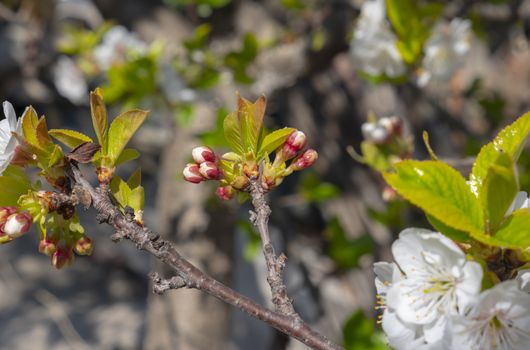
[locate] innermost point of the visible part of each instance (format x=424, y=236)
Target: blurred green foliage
x=359, y=334
x=346, y=252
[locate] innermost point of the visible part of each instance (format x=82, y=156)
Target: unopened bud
x=210, y=171
x=203, y=154
x=5, y=212
x=393, y=125
x=305, y=160
x=63, y=256
x=295, y=142
x=240, y=182
x=17, y=224
x=375, y=132
x=47, y=246
x=225, y=192
x=83, y=246
x=192, y=174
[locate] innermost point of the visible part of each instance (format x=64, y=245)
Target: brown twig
x=260, y=218
x=187, y=274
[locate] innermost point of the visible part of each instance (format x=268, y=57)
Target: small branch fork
x=284, y=318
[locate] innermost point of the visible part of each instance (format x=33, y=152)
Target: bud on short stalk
x=192, y=174
x=203, y=154
x=5, y=212
x=294, y=143
x=210, y=171
x=17, y=224
x=225, y=192
x=47, y=246
x=240, y=182
x=63, y=256
x=393, y=125
x=305, y=160
x=83, y=246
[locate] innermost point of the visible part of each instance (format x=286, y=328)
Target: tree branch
x=260, y=218
x=187, y=274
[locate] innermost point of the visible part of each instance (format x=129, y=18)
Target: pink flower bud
x=305, y=160
x=295, y=142
x=203, y=154
x=225, y=192
x=5, y=212
x=297, y=139
x=63, y=256
x=17, y=224
x=47, y=246
x=83, y=246
x=191, y=173
x=210, y=171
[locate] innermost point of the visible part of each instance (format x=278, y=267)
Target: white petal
x=523, y=279
x=468, y=290
x=11, y=117
x=521, y=198
x=400, y=334
x=434, y=332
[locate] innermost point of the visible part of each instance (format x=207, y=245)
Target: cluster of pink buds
x=13, y=224
x=383, y=130
x=274, y=174
x=62, y=253
x=205, y=166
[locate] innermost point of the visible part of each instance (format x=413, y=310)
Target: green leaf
x=135, y=179
x=136, y=198
x=250, y=116
x=14, y=183
x=374, y=157
x=498, y=191
x=274, y=140
x=439, y=190
x=55, y=156
x=127, y=155
x=29, y=126
x=454, y=234
x=122, y=129
x=120, y=190
x=233, y=133
x=515, y=231
x=43, y=138
x=510, y=140
x=99, y=118
x=359, y=334
x=69, y=138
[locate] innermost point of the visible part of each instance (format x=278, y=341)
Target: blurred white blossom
x=117, y=43
x=499, y=319
x=69, y=80
x=373, y=46
x=8, y=142
x=173, y=85
x=445, y=50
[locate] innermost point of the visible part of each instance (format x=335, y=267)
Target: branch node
x=160, y=285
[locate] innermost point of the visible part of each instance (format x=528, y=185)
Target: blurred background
x=459, y=70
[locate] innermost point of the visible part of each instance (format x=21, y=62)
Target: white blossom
x=445, y=50
x=439, y=281
x=117, y=43
x=69, y=80
x=523, y=280
x=498, y=320
x=8, y=142
x=400, y=335
x=373, y=46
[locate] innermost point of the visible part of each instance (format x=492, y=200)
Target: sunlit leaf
x=69, y=138
x=121, y=131
x=99, y=118
x=440, y=191
x=274, y=140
